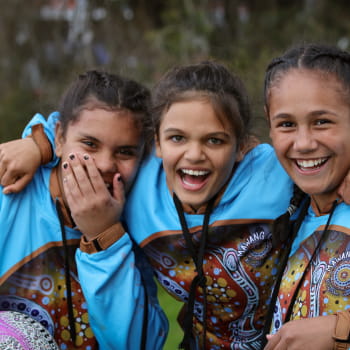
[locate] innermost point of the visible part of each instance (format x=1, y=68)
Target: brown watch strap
x=43, y=143
x=103, y=240
x=342, y=331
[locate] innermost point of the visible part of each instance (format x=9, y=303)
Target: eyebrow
x=136, y=147
x=212, y=134
x=313, y=114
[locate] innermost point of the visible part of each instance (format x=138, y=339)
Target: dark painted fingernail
x=86, y=157
x=119, y=178
x=71, y=156
x=65, y=165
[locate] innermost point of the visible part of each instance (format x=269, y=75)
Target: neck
x=322, y=203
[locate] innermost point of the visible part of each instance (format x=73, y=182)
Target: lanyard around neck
x=197, y=255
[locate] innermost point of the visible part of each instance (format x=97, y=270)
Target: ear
x=245, y=146
x=267, y=115
x=240, y=154
x=157, y=145
x=59, y=139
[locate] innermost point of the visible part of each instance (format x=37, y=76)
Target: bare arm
x=310, y=333
x=19, y=160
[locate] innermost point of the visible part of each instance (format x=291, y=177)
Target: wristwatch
x=342, y=331
x=103, y=240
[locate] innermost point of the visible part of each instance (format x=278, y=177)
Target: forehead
x=306, y=85
x=199, y=111
x=200, y=108
x=103, y=124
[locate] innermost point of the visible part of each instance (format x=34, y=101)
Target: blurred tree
x=45, y=44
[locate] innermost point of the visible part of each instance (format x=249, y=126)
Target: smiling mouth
x=194, y=178
x=311, y=164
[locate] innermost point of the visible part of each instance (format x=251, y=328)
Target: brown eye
x=89, y=144
x=215, y=141
x=176, y=138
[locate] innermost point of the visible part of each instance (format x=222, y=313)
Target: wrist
x=103, y=240
x=39, y=137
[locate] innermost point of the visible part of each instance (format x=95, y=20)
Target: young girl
x=307, y=94
x=106, y=116
x=202, y=212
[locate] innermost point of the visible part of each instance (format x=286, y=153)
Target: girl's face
x=111, y=138
x=198, y=151
x=310, y=131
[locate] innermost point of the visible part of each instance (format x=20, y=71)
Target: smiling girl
x=307, y=96
x=44, y=274
x=202, y=211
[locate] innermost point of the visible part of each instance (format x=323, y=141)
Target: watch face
x=21, y=332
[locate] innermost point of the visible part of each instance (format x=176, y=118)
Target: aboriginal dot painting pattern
x=21, y=332
x=38, y=289
x=325, y=288
x=240, y=267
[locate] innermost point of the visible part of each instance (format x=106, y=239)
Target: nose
x=194, y=152
x=106, y=162
x=304, y=140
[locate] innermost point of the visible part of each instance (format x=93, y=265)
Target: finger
x=70, y=186
x=18, y=185
x=273, y=340
x=96, y=180
x=78, y=168
x=2, y=170
x=9, y=177
x=118, y=188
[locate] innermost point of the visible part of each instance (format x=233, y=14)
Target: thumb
x=18, y=186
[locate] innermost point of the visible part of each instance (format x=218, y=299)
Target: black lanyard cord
x=284, y=262
x=199, y=280
x=282, y=265
x=67, y=274
x=317, y=249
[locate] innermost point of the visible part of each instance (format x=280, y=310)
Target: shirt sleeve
x=117, y=295
x=49, y=126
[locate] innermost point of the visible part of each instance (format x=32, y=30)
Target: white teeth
x=311, y=163
x=195, y=172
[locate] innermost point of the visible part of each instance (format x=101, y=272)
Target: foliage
x=44, y=45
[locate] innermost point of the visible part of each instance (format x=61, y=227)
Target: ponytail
x=282, y=226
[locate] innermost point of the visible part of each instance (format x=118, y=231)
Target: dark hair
x=209, y=80
x=98, y=89
x=328, y=59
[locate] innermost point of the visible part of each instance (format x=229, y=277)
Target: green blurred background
x=45, y=43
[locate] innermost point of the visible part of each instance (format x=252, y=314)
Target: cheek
x=128, y=169
x=225, y=164
x=279, y=141
x=169, y=159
